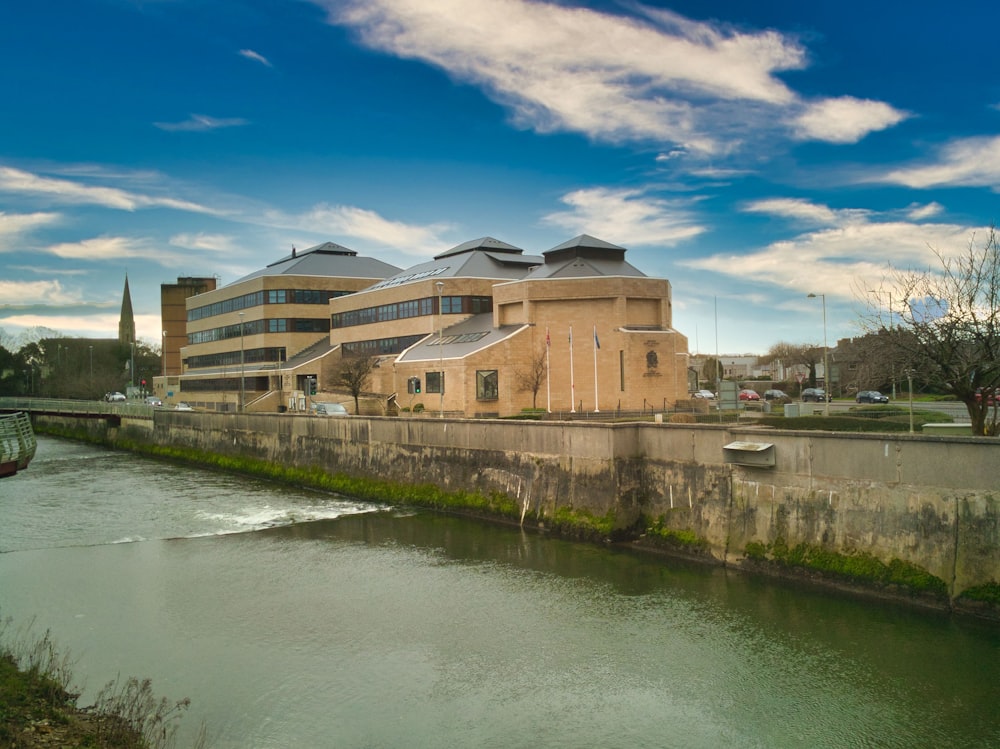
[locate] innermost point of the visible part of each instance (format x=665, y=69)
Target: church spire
x=126, y=322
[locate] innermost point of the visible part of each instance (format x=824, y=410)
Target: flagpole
x=548, y=373
x=572, y=382
x=597, y=345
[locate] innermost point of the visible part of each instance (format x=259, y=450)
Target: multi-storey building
x=263, y=336
x=482, y=329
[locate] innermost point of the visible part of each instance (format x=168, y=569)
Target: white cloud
x=204, y=241
x=794, y=208
x=845, y=119
x=835, y=260
x=20, y=223
x=201, y=123
x=966, y=162
x=626, y=217
x=17, y=181
x=19, y=293
x=256, y=56
x=654, y=76
x=916, y=212
x=116, y=248
x=365, y=225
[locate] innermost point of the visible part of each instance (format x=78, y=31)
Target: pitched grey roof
x=327, y=259
x=479, y=258
x=459, y=340
x=585, y=256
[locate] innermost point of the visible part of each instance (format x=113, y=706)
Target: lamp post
x=826, y=368
x=242, y=369
x=440, y=289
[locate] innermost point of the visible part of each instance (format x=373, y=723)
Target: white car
x=152, y=400
x=183, y=407
x=706, y=394
x=114, y=397
x=329, y=409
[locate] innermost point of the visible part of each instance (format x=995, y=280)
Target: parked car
x=115, y=397
x=814, y=395
x=329, y=409
x=183, y=407
x=749, y=395
x=706, y=394
x=776, y=395
x=871, y=396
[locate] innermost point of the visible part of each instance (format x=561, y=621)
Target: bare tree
x=711, y=371
x=531, y=379
x=945, y=323
x=352, y=374
x=807, y=355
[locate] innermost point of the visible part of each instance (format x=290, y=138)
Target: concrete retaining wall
x=932, y=502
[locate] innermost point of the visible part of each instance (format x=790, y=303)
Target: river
x=294, y=618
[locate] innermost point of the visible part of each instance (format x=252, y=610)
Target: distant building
x=173, y=318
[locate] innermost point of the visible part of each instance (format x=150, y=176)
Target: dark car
x=814, y=395
x=776, y=395
x=871, y=396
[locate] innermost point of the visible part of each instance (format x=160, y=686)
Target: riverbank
x=38, y=707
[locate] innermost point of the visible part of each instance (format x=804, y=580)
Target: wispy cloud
x=116, y=248
x=366, y=225
x=59, y=190
x=965, y=162
x=203, y=241
x=201, y=123
x=656, y=76
x=49, y=291
x=852, y=246
x=256, y=56
x=14, y=225
x=631, y=217
x=845, y=119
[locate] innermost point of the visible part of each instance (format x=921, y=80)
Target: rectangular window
x=451, y=305
x=435, y=381
x=487, y=385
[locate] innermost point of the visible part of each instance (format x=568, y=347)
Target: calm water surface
x=300, y=619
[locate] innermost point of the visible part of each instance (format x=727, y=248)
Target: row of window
x=235, y=358
x=273, y=325
x=380, y=346
x=226, y=384
x=450, y=305
x=258, y=298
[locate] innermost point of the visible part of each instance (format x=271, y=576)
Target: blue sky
x=751, y=153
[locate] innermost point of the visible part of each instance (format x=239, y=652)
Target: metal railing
x=77, y=407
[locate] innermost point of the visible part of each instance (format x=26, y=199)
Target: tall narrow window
x=487, y=385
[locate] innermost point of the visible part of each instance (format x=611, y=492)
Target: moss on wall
x=850, y=565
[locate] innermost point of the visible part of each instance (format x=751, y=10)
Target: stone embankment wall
x=929, y=504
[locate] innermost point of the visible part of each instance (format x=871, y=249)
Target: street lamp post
x=440, y=289
x=826, y=368
x=243, y=393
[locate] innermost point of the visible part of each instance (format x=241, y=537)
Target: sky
x=751, y=153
